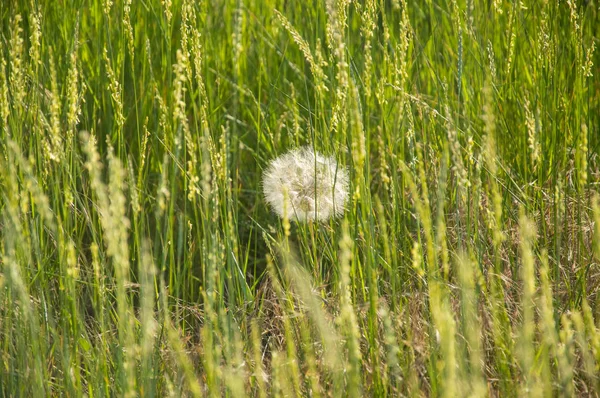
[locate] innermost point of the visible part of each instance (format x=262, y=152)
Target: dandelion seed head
x=305, y=185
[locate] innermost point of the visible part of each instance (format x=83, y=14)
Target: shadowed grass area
x=138, y=255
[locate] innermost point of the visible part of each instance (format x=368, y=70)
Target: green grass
x=138, y=256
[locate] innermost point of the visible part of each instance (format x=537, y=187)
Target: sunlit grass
x=139, y=255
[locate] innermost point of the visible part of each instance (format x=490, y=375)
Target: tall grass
x=138, y=256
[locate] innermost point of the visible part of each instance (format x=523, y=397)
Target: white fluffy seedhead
x=306, y=185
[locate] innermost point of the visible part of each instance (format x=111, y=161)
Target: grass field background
x=139, y=257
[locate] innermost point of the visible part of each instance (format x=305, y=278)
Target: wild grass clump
x=437, y=217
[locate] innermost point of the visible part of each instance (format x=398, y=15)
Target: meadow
x=139, y=257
